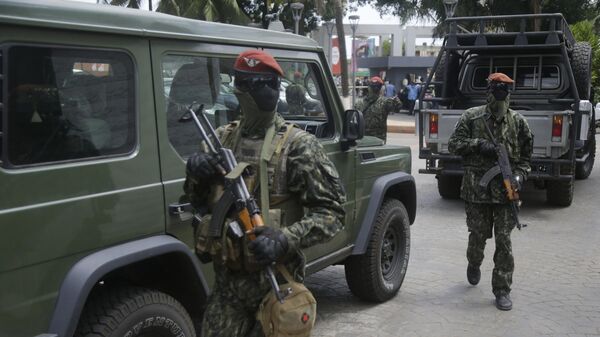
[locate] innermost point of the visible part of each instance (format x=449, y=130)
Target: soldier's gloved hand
x=203, y=165
x=269, y=246
x=487, y=148
x=518, y=181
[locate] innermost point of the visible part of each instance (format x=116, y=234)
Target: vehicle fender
x=88, y=271
x=399, y=185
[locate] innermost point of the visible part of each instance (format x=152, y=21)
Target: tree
x=585, y=31
x=226, y=11
x=125, y=3
x=573, y=10
x=386, y=48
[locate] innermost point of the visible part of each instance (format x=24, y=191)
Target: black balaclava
x=258, y=103
x=498, y=99
x=374, y=91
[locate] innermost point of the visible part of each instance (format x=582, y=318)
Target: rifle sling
x=237, y=171
x=489, y=175
x=265, y=156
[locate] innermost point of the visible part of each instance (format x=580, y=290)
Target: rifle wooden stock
x=510, y=191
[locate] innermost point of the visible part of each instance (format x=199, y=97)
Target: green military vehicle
x=96, y=231
x=552, y=90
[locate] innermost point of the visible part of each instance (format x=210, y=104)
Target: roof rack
x=498, y=32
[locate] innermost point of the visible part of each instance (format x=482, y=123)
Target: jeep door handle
x=177, y=208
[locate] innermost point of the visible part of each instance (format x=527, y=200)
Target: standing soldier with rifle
x=300, y=193
x=496, y=145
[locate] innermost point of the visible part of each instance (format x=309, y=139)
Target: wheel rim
x=390, y=249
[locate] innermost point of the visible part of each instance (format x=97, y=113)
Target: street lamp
x=329, y=25
x=353, y=25
x=450, y=7
x=297, y=14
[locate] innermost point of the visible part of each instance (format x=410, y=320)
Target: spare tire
x=581, y=63
x=451, y=61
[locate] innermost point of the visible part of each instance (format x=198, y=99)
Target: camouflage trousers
x=232, y=306
x=482, y=221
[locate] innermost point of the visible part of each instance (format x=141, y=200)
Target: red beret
x=500, y=77
x=257, y=61
x=376, y=79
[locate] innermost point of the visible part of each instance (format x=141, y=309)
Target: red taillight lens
x=433, y=125
x=557, y=126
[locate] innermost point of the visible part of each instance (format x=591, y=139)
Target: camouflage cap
x=500, y=77
x=376, y=79
x=257, y=61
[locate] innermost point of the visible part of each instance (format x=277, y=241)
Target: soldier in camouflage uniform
x=375, y=109
x=295, y=95
x=487, y=208
x=303, y=185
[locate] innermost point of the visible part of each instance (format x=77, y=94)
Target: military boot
x=473, y=274
x=503, y=302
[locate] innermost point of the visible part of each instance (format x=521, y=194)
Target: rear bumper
x=541, y=168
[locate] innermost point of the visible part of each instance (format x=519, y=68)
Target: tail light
x=433, y=125
x=557, y=127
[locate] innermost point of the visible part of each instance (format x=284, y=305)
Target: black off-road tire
x=581, y=63
x=135, y=312
x=584, y=169
x=377, y=275
x=560, y=192
x=449, y=186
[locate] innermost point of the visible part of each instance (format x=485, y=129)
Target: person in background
x=390, y=90
x=375, y=109
x=413, y=89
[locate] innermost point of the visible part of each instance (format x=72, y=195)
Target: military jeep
x=552, y=90
x=96, y=230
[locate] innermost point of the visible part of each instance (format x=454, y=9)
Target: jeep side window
x=550, y=77
x=68, y=104
x=194, y=80
x=528, y=74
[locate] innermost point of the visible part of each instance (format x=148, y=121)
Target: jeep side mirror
x=354, y=127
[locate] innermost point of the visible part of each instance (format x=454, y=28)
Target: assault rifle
x=504, y=168
x=236, y=193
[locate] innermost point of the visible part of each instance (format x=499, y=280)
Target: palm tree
x=227, y=11
x=124, y=3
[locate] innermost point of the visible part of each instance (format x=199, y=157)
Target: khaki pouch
x=295, y=317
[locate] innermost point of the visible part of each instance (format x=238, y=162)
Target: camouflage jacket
x=313, y=183
x=512, y=131
x=375, y=110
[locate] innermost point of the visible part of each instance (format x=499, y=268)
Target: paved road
x=556, y=284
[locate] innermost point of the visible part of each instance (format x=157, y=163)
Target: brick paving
x=556, y=284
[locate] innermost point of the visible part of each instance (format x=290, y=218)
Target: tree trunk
x=536, y=9
x=339, y=23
